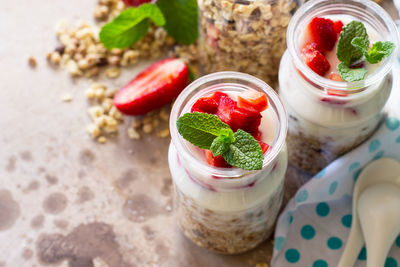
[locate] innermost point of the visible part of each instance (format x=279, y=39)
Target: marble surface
x=64, y=199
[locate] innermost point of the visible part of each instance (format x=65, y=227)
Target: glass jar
x=227, y=210
x=328, y=118
x=244, y=35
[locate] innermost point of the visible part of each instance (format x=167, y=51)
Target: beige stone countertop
x=64, y=199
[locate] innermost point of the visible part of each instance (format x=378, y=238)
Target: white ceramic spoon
x=379, y=171
x=379, y=215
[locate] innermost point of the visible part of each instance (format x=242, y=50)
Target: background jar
x=226, y=210
x=244, y=35
x=328, y=118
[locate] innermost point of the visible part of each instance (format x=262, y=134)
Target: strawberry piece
x=335, y=77
x=135, y=2
x=257, y=135
x=315, y=60
x=217, y=96
x=255, y=100
x=264, y=146
x=245, y=119
x=225, y=109
x=205, y=105
x=155, y=87
x=217, y=161
x=322, y=33
x=337, y=26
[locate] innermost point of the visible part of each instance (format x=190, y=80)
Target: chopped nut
x=93, y=130
x=67, y=97
x=73, y=68
x=133, y=134
x=32, y=62
x=113, y=72
x=102, y=140
x=55, y=58
x=147, y=128
x=163, y=133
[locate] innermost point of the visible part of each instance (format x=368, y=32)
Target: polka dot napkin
x=313, y=229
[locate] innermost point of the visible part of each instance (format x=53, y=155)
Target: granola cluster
x=224, y=232
x=245, y=36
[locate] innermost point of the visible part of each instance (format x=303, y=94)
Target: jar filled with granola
x=244, y=35
x=222, y=208
x=334, y=102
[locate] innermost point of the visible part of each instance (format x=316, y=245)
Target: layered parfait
x=335, y=78
x=228, y=159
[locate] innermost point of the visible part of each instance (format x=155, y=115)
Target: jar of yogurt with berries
x=219, y=206
x=335, y=78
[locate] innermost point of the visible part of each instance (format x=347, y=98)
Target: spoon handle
x=353, y=246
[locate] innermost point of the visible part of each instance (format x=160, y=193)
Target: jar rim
x=228, y=173
x=360, y=7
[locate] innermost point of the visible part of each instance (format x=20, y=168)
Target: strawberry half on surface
x=135, y=2
x=155, y=87
x=315, y=59
x=322, y=32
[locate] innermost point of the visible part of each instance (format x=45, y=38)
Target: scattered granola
x=245, y=36
x=67, y=97
x=32, y=62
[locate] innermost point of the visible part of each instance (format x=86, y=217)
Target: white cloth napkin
x=313, y=229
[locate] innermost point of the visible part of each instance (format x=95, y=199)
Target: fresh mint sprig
x=207, y=131
x=178, y=17
x=353, y=45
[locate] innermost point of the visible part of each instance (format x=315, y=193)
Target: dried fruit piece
x=315, y=60
x=155, y=87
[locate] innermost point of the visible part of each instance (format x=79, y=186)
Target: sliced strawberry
x=264, y=146
x=245, y=119
x=217, y=96
x=322, y=32
x=225, y=109
x=205, y=105
x=315, y=60
x=257, y=135
x=252, y=99
x=217, y=161
x=135, y=2
x=335, y=77
x=153, y=88
x=337, y=26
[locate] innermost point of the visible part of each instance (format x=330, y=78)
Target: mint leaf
x=200, y=129
x=361, y=45
x=351, y=75
x=130, y=26
x=346, y=52
x=221, y=144
x=379, y=51
x=245, y=152
x=181, y=19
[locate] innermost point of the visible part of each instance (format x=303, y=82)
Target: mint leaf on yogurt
x=351, y=75
x=207, y=131
x=346, y=52
x=377, y=52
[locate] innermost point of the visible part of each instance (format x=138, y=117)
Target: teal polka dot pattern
x=334, y=243
x=307, y=232
x=362, y=256
x=333, y=187
x=322, y=209
x=398, y=140
x=392, y=123
x=346, y=220
x=320, y=174
x=354, y=166
x=290, y=219
x=292, y=255
x=302, y=196
x=374, y=145
x=356, y=174
x=398, y=241
x=379, y=155
x=320, y=263
x=390, y=262
x=279, y=242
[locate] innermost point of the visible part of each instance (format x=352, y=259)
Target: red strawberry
x=315, y=60
x=155, y=87
x=337, y=26
x=335, y=77
x=225, y=109
x=217, y=161
x=264, y=146
x=322, y=33
x=257, y=135
x=135, y=2
x=255, y=100
x=245, y=119
x=205, y=105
